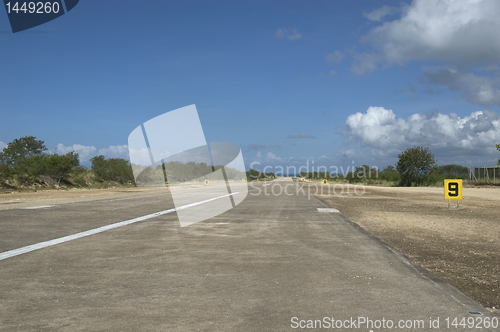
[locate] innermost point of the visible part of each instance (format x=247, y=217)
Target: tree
x=21, y=158
x=21, y=149
x=414, y=164
x=390, y=174
x=498, y=148
x=366, y=172
x=114, y=169
x=99, y=167
x=4, y=173
x=57, y=166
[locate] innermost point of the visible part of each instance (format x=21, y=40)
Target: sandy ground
x=461, y=246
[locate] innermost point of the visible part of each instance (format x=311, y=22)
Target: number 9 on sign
x=453, y=189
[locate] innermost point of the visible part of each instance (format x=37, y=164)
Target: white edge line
x=45, y=244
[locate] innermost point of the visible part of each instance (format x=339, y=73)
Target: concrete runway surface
x=272, y=263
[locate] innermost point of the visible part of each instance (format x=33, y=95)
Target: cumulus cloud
x=2, y=145
x=380, y=13
x=444, y=134
x=140, y=156
x=115, y=151
x=301, y=135
x=290, y=34
x=458, y=32
x=86, y=152
x=461, y=34
x=347, y=153
x=480, y=90
x=272, y=156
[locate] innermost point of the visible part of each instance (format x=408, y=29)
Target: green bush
x=414, y=165
x=438, y=174
x=59, y=167
x=113, y=169
x=498, y=148
x=390, y=174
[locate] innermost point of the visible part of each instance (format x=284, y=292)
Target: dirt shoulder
x=460, y=246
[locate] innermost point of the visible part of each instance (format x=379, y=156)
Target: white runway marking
x=37, y=207
x=327, y=210
x=36, y=246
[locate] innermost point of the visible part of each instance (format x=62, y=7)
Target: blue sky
x=289, y=81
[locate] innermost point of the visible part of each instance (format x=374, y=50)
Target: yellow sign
x=453, y=189
x=206, y=181
x=325, y=181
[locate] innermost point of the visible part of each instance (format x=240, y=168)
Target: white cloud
x=377, y=128
x=291, y=34
x=347, y=153
x=335, y=56
x=140, y=156
x=115, y=151
x=445, y=134
x=84, y=152
x=2, y=145
x=272, y=156
x=458, y=32
x=463, y=35
x=379, y=14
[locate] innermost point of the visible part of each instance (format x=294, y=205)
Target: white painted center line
x=37, y=207
x=36, y=246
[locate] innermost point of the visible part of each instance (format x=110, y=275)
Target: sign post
x=453, y=190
